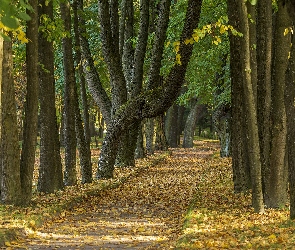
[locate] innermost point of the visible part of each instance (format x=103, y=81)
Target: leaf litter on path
x=145, y=212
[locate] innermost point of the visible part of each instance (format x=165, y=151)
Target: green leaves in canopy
x=11, y=12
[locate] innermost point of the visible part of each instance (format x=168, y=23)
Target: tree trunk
x=221, y=120
x=150, y=103
x=149, y=132
x=190, y=125
x=276, y=181
x=249, y=99
x=161, y=141
x=94, y=84
x=70, y=175
x=10, y=186
x=264, y=62
x=172, y=126
x=83, y=132
x=290, y=111
x=140, y=151
x=31, y=108
x=50, y=170
x=241, y=170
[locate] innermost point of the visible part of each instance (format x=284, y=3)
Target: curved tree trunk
x=150, y=103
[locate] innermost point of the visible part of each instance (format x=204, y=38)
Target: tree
x=152, y=102
x=290, y=111
x=31, y=109
x=276, y=178
x=50, y=170
x=69, y=99
x=10, y=186
x=248, y=97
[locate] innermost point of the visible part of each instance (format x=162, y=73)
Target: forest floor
x=180, y=200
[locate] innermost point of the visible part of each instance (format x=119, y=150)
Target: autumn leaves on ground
x=178, y=200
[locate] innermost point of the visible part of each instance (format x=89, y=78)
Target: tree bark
x=83, y=132
x=276, y=181
x=10, y=186
x=50, y=170
x=241, y=171
x=249, y=99
x=95, y=87
x=264, y=72
x=70, y=175
x=31, y=107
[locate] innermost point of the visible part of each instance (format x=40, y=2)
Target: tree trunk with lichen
x=149, y=103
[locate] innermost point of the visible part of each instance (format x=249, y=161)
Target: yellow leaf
x=178, y=59
x=7, y=243
x=141, y=229
x=286, y=32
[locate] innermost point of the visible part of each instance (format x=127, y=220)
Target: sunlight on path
x=146, y=212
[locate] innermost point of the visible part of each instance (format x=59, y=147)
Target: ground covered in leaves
x=180, y=200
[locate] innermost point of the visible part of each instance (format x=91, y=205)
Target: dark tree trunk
x=290, y=111
x=150, y=103
x=140, y=151
x=94, y=84
x=10, y=186
x=276, y=182
x=83, y=132
x=264, y=62
x=221, y=120
x=241, y=171
x=172, y=126
x=70, y=175
x=161, y=141
x=149, y=132
x=251, y=114
x=189, y=131
x=50, y=170
x=31, y=107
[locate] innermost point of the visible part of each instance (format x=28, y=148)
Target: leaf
x=24, y=16
x=10, y=22
x=253, y=2
x=7, y=244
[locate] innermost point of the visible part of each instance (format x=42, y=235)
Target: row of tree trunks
x=260, y=102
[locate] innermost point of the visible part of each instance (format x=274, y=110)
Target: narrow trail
x=146, y=212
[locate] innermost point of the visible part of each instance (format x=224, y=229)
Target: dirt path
x=146, y=212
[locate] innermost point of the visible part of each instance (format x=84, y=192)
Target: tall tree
x=276, y=182
x=248, y=98
x=31, y=108
x=10, y=186
x=290, y=111
x=70, y=175
x=264, y=73
x=50, y=170
x=241, y=171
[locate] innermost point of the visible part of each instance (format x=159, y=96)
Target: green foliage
x=207, y=73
